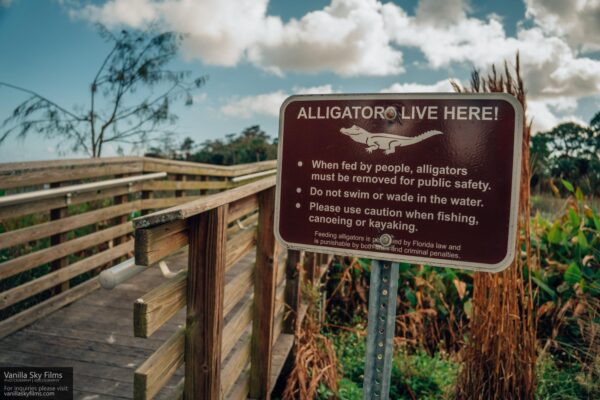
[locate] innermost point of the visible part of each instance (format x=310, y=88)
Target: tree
x=251, y=145
x=569, y=151
x=115, y=113
x=166, y=147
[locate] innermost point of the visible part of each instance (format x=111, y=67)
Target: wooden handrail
x=76, y=162
x=64, y=199
x=199, y=206
x=82, y=188
x=232, y=170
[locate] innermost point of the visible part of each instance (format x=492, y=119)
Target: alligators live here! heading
x=466, y=113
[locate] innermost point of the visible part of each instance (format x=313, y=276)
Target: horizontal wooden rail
x=46, y=307
x=32, y=260
x=196, y=207
x=38, y=231
x=156, y=371
x=159, y=305
x=240, y=321
x=183, y=167
x=75, y=189
x=155, y=243
x=44, y=172
x=14, y=295
x=239, y=358
x=187, y=185
x=41, y=206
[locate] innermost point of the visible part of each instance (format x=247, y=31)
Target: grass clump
x=414, y=375
x=566, y=381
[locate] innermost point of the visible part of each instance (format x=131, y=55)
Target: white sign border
x=440, y=262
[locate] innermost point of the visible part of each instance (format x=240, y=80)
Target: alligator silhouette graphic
x=384, y=141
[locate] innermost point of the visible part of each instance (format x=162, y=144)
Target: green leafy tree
x=569, y=151
x=251, y=145
x=165, y=146
x=117, y=111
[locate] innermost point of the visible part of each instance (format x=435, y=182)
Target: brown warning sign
x=420, y=178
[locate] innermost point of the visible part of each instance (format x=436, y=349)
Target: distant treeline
x=251, y=145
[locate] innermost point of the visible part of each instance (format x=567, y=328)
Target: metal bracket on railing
x=130, y=187
x=68, y=198
x=253, y=176
x=240, y=225
x=167, y=273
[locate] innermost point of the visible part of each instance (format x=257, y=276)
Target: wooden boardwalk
x=94, y=335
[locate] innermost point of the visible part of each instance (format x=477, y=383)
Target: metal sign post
x=380, y=330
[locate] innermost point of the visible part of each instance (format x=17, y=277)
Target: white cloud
x=577, y=21
x=550, y=66
x=199, y=98
x=347, y=37
x=544, y=113
x=267, y=103
x=366, y=37
x=437, y=12
x=323, y=89
x=262, y=104
x=133, y=13
x=440, y=86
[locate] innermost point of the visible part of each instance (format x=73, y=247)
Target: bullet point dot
x=298, y=190
x=299, y=163
x=297, y=205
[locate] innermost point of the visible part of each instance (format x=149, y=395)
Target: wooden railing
x=62, y=222
x=241, y=292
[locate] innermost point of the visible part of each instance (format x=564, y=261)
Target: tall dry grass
x=315, y=361
x=500, y=356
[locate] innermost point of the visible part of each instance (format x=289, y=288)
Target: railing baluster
x=264, y=298
x=206, y=270
x=56, y=214
x=292, y=290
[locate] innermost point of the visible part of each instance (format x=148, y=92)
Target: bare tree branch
x=136, y=59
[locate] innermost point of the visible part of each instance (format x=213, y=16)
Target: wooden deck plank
x=94, y=335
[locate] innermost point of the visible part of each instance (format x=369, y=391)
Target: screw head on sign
x=390, y=113
x=385, y=240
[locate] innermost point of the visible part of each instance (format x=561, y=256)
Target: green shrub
x=421, y=375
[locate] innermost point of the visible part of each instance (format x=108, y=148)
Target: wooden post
x=265, y=282
x=124, y=198
x=146, y=194
x=292, y=291
x=203, y=178
x=204, y=322
x=180, y=178
x=55, y=214
x=311, y=266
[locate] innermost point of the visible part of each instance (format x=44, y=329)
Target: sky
x=258, y=52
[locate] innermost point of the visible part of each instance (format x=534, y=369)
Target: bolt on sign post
x=417, y=178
